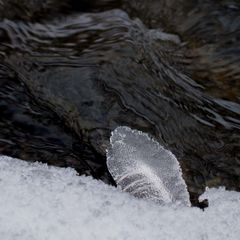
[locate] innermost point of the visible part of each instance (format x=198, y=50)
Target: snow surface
x=42, y=202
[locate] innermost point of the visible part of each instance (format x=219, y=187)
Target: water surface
x=67, y=82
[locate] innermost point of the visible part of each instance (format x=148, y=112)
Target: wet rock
x=32, y=10
x=32, y=132
x=210, y=31
x=41, y=10
x=98, y=71
x=94, y=72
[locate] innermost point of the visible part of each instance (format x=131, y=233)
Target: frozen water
x=142, y=167
x=38, y=202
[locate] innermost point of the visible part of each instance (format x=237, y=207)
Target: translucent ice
x=142, y=167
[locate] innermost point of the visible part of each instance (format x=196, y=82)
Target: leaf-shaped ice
x=142, y=167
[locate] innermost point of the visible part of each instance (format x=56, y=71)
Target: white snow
x=42, y=202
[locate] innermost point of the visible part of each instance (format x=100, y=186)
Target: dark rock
x=42, y=10
x=210, y=31
x=32, y=10
x=94, y=72
x=99, y=71
x=34, y=133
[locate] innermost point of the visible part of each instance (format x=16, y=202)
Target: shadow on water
x=67, y=82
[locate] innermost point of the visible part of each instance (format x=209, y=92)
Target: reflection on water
x=67, y=82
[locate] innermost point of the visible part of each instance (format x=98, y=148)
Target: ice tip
x=131, y=154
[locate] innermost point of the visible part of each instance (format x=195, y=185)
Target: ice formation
x=142, y=167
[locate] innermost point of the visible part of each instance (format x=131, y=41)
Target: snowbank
x=41, y=202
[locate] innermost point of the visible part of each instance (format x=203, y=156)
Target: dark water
x=69, y=79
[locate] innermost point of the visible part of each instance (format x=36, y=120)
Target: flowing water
x=68, y=81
